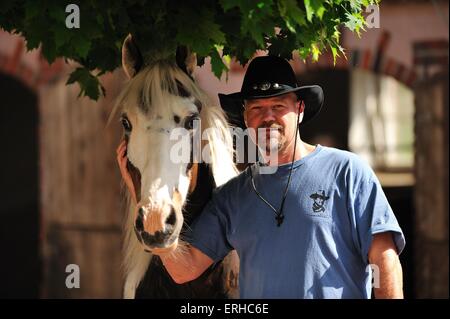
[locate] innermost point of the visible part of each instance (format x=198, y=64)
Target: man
x=310, y=229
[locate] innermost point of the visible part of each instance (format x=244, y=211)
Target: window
x=381, y=121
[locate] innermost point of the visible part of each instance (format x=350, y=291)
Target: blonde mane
x=150, y=91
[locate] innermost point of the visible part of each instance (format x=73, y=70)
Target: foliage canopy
x=220, y=29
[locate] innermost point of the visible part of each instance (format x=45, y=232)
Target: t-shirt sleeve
x=209, y=231
x=372, y=215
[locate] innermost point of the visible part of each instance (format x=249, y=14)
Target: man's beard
x=271, y=141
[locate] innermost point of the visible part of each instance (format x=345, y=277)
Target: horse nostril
x=172, y=217
x=139, y=224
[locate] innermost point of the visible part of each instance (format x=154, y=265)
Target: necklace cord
x=279, y=213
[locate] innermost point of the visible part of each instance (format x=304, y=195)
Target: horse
x=161, y=96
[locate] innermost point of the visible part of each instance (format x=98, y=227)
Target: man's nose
x=267, y=114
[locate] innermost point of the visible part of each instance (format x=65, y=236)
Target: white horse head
x=159, y=98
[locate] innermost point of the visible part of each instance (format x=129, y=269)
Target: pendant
x=279, y=219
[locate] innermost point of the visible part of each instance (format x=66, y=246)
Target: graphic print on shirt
x=319, y=198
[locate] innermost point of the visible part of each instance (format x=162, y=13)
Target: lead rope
x=279, y=216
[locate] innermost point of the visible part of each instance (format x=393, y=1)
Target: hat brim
x=315, y=196
x=312, y=95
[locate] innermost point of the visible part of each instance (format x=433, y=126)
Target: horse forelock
x=149, y=90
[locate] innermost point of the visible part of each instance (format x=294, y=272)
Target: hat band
x=268, y=85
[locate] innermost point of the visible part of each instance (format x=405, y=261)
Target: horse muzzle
x=157, y=228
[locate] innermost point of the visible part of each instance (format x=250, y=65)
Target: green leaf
x=89, y=84
x=198, y=36
x=49, y=51
x=32, y=10
x=81, y=45
x=76, y=75
x=291, y=14
x=315, y=52
x=335, y=54
x=217, y=64
x=229, y=4
x=227, y=60
x=57, y=13
x=61, y=37
x=314, y=8
x=354, y=22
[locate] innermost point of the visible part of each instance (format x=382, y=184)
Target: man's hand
x=122, y=161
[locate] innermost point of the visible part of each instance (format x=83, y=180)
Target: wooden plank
x=82, y=211
x=97, y=254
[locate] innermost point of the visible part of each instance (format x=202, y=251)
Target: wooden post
x=431, y=190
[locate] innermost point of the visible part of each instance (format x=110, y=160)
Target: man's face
x=276, y=118
x=319, y=201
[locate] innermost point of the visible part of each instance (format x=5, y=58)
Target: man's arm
x=187, y=266
x=383, y=253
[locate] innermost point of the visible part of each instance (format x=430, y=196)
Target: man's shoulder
x=341, y=156
x=349, y=161
x=232, y=185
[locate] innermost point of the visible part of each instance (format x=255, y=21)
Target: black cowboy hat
x=269, y=76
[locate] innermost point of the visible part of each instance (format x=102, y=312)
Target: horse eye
x=189, y=121
x=126, y=124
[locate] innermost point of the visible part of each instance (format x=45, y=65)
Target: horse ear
x=132, y=60
x=186, y=60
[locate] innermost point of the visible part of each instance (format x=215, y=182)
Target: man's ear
x=244, y=113
x=301, y=106
x=301, y=109
x=132, y=60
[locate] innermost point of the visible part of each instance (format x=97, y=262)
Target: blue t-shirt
x=333, y=206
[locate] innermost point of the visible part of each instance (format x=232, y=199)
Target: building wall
x=406, y=22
